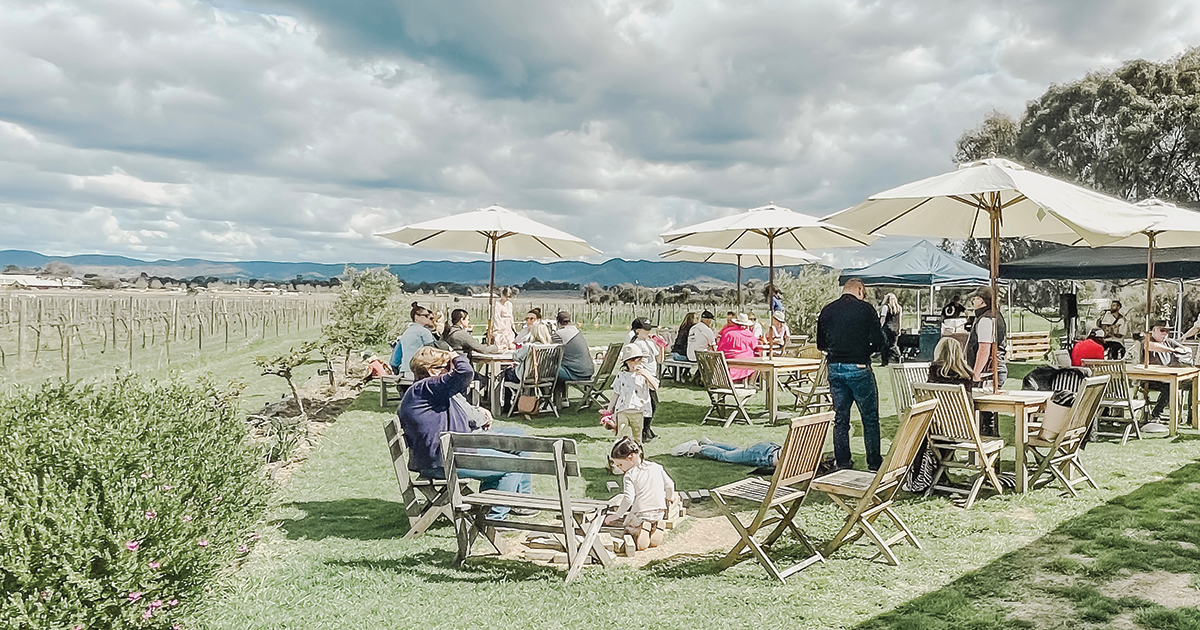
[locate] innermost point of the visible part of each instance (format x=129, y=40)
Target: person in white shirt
x=778, y=334
x=757, y=328
x=631, y=401
x=647, y=491
x=701, y=336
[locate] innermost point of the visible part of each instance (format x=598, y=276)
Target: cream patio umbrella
x=492, y=230
x=996, y=198
x=768, y=227
x=749, y=257
x=1174, y=227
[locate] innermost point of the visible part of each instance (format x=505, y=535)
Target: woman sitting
x=738, y=342
x=950, y=367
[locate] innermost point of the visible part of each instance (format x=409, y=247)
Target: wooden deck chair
x=812, y=395
x=1118, y=397
x=867, y=496
x=592, y=390
x=541, y=372
x=904, y=376
x=955, y=430
x=425, y=500
x=1060, y=456
x=579, y=520
x=726, y=400
x=778, y=499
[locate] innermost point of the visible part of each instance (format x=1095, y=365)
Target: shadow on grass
x=354, y=519
x=368, y=400
x=437, y=566
x=1065, y=578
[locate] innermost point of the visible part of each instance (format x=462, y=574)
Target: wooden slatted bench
x=675, y=369
x=1028, y=345
x=399, y=383
x=554, y=457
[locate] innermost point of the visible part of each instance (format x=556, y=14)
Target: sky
x=294, y=130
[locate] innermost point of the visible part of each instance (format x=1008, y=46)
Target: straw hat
x=742, y=320
x=630, y=351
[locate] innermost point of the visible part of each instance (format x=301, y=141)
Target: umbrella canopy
x=768, y=227
x=995, y=198
x=492, y=230
x=739, y=257
x=922, y=265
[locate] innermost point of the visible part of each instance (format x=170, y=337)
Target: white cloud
x=295, y=129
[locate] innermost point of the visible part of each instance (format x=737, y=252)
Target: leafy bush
x=805, y=294
x=119, y=502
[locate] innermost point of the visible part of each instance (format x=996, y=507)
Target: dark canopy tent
x=1109, y=263
x=923, y=265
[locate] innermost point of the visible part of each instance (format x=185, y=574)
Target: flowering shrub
x=118, y=502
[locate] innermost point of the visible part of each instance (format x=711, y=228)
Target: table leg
x=1020, y=418
x=772, y=407
x=1176, y=406
x=1195, y=405
x=494, y=393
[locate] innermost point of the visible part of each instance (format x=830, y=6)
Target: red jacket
x=1086, y=349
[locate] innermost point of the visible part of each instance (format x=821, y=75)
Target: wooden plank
x=511, y=443
x=533, y=466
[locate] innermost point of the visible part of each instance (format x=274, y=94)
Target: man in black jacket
x=848, y=333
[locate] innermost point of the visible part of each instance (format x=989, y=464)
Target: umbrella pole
x=739, y=282
x=492, y=291
x=1149, y=297
x=770, y=281
x=994, y=251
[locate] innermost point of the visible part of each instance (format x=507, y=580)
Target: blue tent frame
x=922, y=265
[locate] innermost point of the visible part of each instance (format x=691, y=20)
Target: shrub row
x=119, y=502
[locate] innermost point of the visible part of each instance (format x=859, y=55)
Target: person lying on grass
x=647, y=491
x=761, y=455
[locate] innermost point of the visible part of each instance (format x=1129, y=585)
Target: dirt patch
x=691, y=537
x=1042, y=612
x=1170, y=590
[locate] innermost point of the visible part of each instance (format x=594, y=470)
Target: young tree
x=282, y=366
x=364, y=314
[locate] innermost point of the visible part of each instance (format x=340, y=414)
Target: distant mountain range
x=650, y=273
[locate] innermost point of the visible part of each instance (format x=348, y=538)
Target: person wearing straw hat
x=630, y=403
x=778, y=334
x=738, y=342
x=848, y=332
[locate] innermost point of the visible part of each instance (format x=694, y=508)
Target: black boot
x=647, y=433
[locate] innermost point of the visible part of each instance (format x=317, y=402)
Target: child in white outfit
x=647, y=491
x=631, y=402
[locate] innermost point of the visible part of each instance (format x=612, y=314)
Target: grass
x=334, y=557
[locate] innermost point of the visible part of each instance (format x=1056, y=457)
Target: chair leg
x=591, y=529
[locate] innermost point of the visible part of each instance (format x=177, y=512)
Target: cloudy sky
x=294, y=129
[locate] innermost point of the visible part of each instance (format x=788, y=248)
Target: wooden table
x=770, y=368
x=1172, y=376
x=492, y=368
x=1020, y=404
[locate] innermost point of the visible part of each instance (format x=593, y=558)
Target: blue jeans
x=675, y=356
x=760, y=455
x=850, y=383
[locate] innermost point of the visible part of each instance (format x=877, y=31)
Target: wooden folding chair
x=433, y=502
x=867, y=496
x=579, y=520
x=726, y=400
x=812, y=395
x=1060, y=456
x=955, y=430
x=541, y=373
x=1118, y=397
x=904, y=376
x=593, y=390
x=784, y=493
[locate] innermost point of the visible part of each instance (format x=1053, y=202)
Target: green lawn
x=332, y=554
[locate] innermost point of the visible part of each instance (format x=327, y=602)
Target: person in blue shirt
x=417, y=334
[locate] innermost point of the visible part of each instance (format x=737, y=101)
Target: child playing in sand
x=648, y=490
x=631, y=402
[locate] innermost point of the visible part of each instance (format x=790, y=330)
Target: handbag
x=528, y=405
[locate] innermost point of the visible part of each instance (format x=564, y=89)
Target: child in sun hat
x=640, y=336
x=632, y=387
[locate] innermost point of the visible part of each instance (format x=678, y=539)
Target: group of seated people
x=740, y=337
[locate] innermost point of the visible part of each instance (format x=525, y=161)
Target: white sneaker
x=705, y=440
x=689, y=448
x=1155, y=427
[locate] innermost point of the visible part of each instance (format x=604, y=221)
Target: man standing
x=848, y=333
x=701, y=336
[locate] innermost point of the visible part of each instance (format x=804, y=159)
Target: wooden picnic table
x=491, y=366
x=770, y=368
x=1021, y=404
x=1172, y=376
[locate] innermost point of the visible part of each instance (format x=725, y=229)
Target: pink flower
x=243, y=549
x=154, y=564
x=133, y=545
x=173, y=603
x=77, y=626
x=218, y=499
x=150, y=514
x=156, y=604
x=134, y=596
x=148, y=614
x=203, y=542
x=186, y=518
x=147, y=475
x=177, y=626
x=166, y=488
